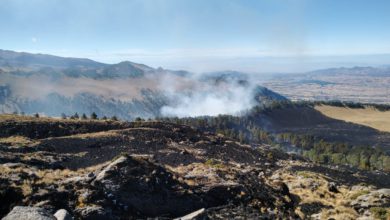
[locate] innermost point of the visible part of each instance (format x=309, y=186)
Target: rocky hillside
x=95, y=169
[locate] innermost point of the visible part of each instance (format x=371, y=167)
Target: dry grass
x=51, y=176
x=381, y=213
x=26, y=188
x=214, y=163
x=37, y=177
x=335, y=205
x=201, y=174
x=16, y=140
x=42, y=118
x=99, y=134
x=355, y=195
x=23, y=118
x=368, y=116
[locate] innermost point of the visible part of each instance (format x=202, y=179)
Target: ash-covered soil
x=116, y=170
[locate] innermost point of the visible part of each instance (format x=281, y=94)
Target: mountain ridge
x=37, y=63
x=125, y=89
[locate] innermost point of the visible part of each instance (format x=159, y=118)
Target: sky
x=204, y=35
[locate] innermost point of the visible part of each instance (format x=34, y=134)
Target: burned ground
x=138, y=170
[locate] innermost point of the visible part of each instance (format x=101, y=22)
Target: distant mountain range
x=17, y=60
x=358, y=70
x=22, y=63
x=53, y=85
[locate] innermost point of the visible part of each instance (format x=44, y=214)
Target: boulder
x=62, y=214
x=29, y=213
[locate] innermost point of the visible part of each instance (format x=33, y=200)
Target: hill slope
x=115, y=170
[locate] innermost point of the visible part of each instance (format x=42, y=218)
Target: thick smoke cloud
x=209, y=96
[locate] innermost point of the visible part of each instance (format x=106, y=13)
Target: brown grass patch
x=312, y=188
x=16, y=140
x=368, y=116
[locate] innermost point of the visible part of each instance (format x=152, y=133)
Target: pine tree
x=94, y=116
x=84, y=117
x=139, y=119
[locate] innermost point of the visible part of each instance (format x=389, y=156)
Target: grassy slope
x=367, y=116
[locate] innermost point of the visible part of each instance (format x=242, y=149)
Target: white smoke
x=207, y=97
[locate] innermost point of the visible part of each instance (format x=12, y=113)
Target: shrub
x=380, y=212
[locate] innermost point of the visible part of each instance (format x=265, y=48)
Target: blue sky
x=203, y=35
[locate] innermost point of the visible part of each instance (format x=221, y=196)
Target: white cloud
x=34, y=40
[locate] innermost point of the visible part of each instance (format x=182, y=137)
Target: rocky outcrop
x=137, y=185
x=377, y=198
x=29, y=213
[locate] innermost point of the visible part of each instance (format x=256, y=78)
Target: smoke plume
x=207, y=95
